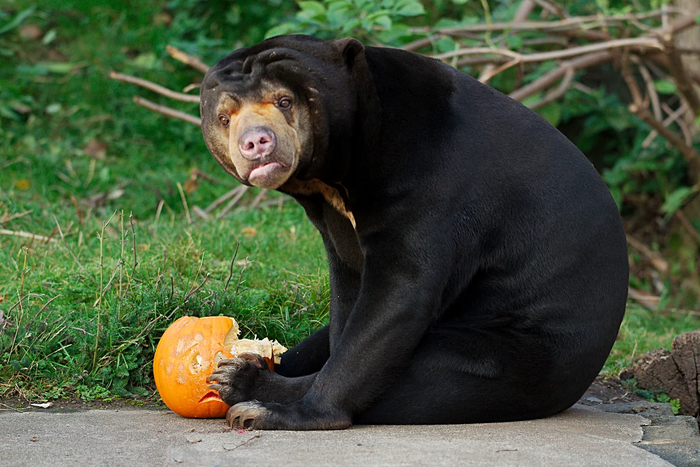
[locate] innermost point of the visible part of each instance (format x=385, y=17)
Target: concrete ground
x=581, y=436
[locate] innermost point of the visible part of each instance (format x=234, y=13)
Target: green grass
x=55, y=98
x=88, y=325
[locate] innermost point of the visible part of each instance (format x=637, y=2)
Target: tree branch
x=163, y=91
x=188, y=60
x=685, y=87
x=167, y=111
x=560, y=91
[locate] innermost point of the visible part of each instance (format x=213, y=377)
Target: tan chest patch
x=315, y=186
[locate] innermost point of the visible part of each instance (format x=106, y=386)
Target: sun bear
x=478, y=264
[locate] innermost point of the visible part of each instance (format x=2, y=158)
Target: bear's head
x=285, y=108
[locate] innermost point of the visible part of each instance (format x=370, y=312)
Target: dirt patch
x=608, y=391
x=18, y=404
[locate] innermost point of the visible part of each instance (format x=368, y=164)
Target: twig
x=691, y=155
x=184, y=202
x=638, y=108
x=188, y=60
x=641, y=42
x=488, y=74
x=587, y=61
x=69, y=250
x=230, y=275
x=688, y=226
x=647, y=300
x=555, y=75
x=687, y=133
x=9, y=217
x=654, y=258
x=240, y=276
x=20, y=233
x=675, y=115
x=167, y=111
x=524, y=10
x=201, y=213
x=420, y=43
x=154, y=87
x=651, y=90
x=552, y=8
x=224, y=198
x=258, y=198
x=557, y=93
x=567, y=24
x=109, y=282
x=233, y=202
x=685, y=87
x=192, y=86
x=196, y=289
x=47, y=304
x=133, y=237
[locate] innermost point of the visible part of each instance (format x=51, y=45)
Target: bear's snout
x=257, y=142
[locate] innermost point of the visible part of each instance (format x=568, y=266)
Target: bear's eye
x=224, y=120
x=284, y=103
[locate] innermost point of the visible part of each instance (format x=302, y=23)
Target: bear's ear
x=351, y=49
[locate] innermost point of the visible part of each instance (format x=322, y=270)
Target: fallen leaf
x=45, y=405
x=96, y=149
x=33, y=439
x=30, y=32
x=21, y=108
x=162, y=19
x=191, y=184
x=249, y=232
x=22, y=184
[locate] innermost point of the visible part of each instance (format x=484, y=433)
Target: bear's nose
x=257, y=142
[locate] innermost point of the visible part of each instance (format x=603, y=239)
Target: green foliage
x=653, y=396
x=365, y=19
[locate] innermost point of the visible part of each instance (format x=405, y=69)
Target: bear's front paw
x=237, y=378
x=297, y=416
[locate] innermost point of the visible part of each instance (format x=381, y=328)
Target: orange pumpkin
x=188, y=352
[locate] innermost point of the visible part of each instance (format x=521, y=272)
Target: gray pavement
x=581, y=436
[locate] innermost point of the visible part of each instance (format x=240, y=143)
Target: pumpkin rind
x=188, y=352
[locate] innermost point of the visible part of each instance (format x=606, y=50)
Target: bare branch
x=167, y=111
x=641, y=42
x=188, y=60
x=680, y=76
x=638, y=107
x=688, y=225
x=557, y=93
x=555, y=75
x=691, y=155
x=233, y=202
x=687, y=133
x=524, y=10
x=675, y=115
x=20, y=233
x=230, y=194
x=651, y=90
x=567, y=24
x=552, y=8
x=154, y=87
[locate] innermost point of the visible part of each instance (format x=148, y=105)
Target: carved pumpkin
x=189, y=351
